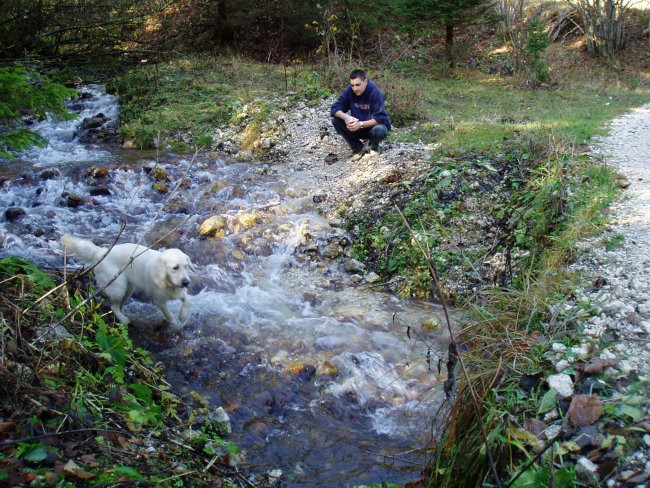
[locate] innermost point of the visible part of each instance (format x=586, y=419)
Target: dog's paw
x=175, y=325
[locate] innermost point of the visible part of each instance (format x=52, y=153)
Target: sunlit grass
x=476, y=112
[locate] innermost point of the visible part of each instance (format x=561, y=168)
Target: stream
x=335, y=385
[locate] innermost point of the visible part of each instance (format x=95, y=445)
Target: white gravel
x=625, y=298
x=622, y=318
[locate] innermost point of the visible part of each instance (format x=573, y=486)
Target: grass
x=474, y=111
x=508, y=357
x=178, y=105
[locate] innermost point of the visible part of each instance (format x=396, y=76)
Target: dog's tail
x=82, y=248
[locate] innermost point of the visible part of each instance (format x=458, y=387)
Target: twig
x=385, y=456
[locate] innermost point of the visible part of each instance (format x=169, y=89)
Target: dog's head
x=177, y=267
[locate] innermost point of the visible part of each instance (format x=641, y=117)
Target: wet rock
x=74, y=200
x=311, y=298
x=94, y=121
x=101, y=172
x=238, y=255
x=50, y=174
x=14, y=213
x=247, y=219
x=212, y=225
x=326, y=368
x=161, y=187
x=158, y=174
x=99, y=190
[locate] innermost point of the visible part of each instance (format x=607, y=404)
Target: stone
x=14, y=213
x=562, y=383
x=562, y=365
x=218, y=421
x=372, y=277
x=211, y=225
x=246, y=219
x=74, y=201
x=331, y=250
x=589, y=436
x=353, y=266
x=587, y=471
x=99, y=191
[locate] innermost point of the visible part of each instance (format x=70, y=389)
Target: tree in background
x=604, y=24
x=447, y=14
x=25, y=94
x=514, y=29
x=63, y=29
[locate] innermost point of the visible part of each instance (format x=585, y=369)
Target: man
x=367, y=117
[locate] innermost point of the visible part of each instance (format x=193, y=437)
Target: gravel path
x=622, y=268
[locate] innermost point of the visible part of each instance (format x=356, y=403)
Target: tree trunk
x=449, y=44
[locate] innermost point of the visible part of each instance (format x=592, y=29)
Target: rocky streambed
x=598, y=413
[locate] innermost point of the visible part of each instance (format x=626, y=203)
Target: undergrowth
x=81, y=406
x=509, y=333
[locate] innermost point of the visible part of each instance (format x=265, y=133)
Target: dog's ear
x=190, y=265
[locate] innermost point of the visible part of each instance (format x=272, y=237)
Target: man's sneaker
x=358, y=155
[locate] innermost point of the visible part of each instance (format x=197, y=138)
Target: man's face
x=358, y=86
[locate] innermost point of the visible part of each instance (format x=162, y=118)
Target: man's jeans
x=374, y=135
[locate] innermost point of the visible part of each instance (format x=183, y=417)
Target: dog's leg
x=117, y=310
x=162, y=305
x=117, y=293
x=185, y=309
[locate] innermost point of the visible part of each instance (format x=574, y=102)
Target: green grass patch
x=475, y=112
x=179, y=104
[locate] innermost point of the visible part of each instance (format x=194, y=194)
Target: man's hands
x=353, y=124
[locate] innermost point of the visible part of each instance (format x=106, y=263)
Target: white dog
x=161, y=275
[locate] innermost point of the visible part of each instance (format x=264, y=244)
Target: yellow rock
x=247, y=219
x=430, y=325
x=212, y=225
x=237, y=254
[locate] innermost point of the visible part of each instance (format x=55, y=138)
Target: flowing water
x=325, y=382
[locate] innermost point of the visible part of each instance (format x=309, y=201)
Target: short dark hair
x=358, y=73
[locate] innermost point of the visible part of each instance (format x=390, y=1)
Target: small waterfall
x=64, y=146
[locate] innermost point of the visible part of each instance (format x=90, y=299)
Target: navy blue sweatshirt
x=370, y=105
